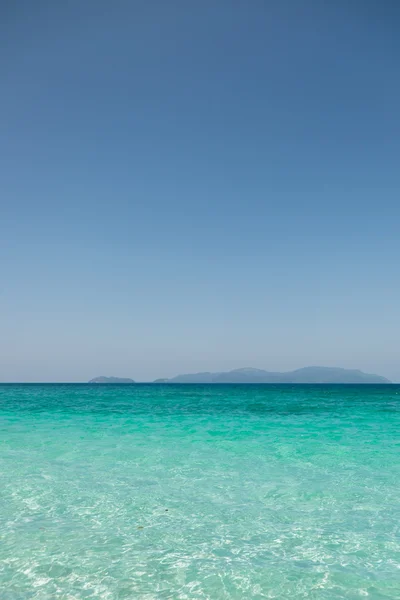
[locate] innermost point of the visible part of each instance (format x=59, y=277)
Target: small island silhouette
x=103, y=379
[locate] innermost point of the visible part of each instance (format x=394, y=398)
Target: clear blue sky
x=193, y=186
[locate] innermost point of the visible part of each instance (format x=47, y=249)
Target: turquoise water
x=181, y=492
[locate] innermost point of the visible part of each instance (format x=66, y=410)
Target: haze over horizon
x=199, y=187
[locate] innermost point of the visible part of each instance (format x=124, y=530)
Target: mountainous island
x=305, y=375
x=251, y=375
x=103, y=379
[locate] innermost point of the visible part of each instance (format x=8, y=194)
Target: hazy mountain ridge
x=304, y=375
x=252, y=375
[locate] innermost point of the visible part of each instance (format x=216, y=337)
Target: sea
x=184, y=492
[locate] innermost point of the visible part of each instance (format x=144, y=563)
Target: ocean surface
x=218, y=492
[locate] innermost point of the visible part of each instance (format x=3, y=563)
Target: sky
x=190, y=186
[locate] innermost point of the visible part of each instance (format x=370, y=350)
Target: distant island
x=103, y=379
x=305, y=375
x=251, y=375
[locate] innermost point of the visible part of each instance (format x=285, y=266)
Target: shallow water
x=220, y=492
